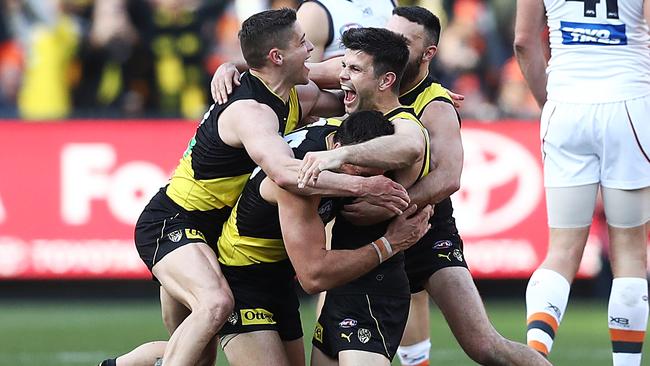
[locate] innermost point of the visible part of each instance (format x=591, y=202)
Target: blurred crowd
x=154, y=58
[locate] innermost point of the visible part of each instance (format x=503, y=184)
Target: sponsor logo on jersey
x=347, y=336
x=194, y=234
x=594, y=34
x=448, y=256
x=318, y=333
x=175, y=236
x=348, y=323
x=256, y=317
x=442, y=244
x=364, y=335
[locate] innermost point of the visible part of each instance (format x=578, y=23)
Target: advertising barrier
x=70, y=193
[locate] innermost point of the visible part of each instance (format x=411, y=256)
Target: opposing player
x=176, y=233
x=437, y=264
x=595, y=135
x=259, y=269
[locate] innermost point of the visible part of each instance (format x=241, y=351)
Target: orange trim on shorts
x=544, y=317
x=539, y=347
x=620, y=335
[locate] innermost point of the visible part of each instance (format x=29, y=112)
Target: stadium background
x=99, y=99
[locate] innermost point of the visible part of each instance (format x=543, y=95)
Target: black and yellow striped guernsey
x=346, y=235
x=418, y=98
x=252, y=233
x=211, y=174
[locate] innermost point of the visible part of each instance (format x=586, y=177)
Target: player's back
x=346, y=14
x=600, y=51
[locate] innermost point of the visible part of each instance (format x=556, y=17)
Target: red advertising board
x=71, y=192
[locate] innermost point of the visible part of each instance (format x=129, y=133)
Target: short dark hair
x=363, y=126
x=424, y=17
x=263, y=31
x=389, y=50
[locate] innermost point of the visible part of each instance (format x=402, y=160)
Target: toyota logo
x=501, y=184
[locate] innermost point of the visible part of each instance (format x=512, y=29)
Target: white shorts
x=606, y=143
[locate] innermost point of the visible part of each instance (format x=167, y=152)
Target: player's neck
x=409, y=85
x=275, y=82
x=386, y=102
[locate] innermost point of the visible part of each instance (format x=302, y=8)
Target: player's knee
x=215, y=308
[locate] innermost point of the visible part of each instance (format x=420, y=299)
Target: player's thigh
x=256, y=348
x=453, y=290
x=191, y=273
x=571, y=206
x=359, y=358
x=318, y=358
x=417, y=325
x=295, y=350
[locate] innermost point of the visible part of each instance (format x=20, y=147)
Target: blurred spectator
x=11, y=63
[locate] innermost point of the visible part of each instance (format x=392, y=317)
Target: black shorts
x=165, y=226
x=371, y=323
x=265, y=299
x=439, y=248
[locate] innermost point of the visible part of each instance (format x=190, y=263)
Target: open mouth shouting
x=350, y=96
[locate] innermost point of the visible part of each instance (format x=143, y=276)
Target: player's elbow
x=414, y=148
x=282, y=178
x=311, y=283
x=522, y=44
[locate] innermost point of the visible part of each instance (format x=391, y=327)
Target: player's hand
x=407, y=229
x=384, y=192
x=362, y=213
x=457, y=99
x=315, y=162
x=222, y=82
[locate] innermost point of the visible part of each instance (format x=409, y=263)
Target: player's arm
x=258, y=135
x=326, y=73
x=401, y=149
x=528, y=46
x=446, y=159
x=646, y=11
x=317, y=102
x=319, y=269
x=311, y=17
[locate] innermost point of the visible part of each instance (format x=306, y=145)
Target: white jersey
x=346, y=14
x=600, y=51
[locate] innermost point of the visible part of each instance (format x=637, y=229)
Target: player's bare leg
x=452, y=287
x=356, y=358
x=415, y=345
x=191, y=275
x=263, y=347
x=295, y=351
x=318, y=358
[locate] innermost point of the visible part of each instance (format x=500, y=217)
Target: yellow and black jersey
x=211, y=174
x=418, y=98
x=408, y=113
x=252, y=233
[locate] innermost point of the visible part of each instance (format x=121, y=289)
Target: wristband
x=378, y=252
x=387, y=245
x=384, y=248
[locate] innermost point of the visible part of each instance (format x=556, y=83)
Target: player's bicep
x=303, y=231
x=530, y=20
x=446, y=145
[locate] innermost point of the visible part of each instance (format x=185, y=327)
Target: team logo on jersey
x=595, y=34
x=256, y=317
x=348, y=323
x=458, y=255
x=194, y=234
x=318, y=333
x=233, y=318
x=364, y=335
x=175, y=236
x=442, y=244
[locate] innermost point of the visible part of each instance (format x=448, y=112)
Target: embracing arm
x=317, y=102
x=441, y=122
x=319, y=269
x=528, y=46
x=326, y=73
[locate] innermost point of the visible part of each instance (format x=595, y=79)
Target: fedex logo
x=595, y=34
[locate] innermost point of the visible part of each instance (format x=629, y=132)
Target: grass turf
x=84, y=333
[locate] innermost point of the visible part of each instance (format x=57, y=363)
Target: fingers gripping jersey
x=211, y=174
x=419, y=98
x=599, y=51
x=252, y=233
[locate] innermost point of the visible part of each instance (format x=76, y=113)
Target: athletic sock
x=628, y=317
x=546, y=299
x=415, y=354
x=108, y=362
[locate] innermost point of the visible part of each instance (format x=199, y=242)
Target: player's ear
x=275, y=56
x=387, y=80
x=336, y=145
x=429, y=53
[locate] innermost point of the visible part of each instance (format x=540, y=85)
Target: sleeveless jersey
x=345, y=14
x=252, y=233
x=419, y=98
x=388, y=278
x=211, y=174
x=599, y=51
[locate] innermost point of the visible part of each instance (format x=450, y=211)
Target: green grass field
x=84, y=333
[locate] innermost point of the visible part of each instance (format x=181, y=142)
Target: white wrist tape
x=381, y=259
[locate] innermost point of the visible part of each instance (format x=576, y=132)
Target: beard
x=411, y=71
